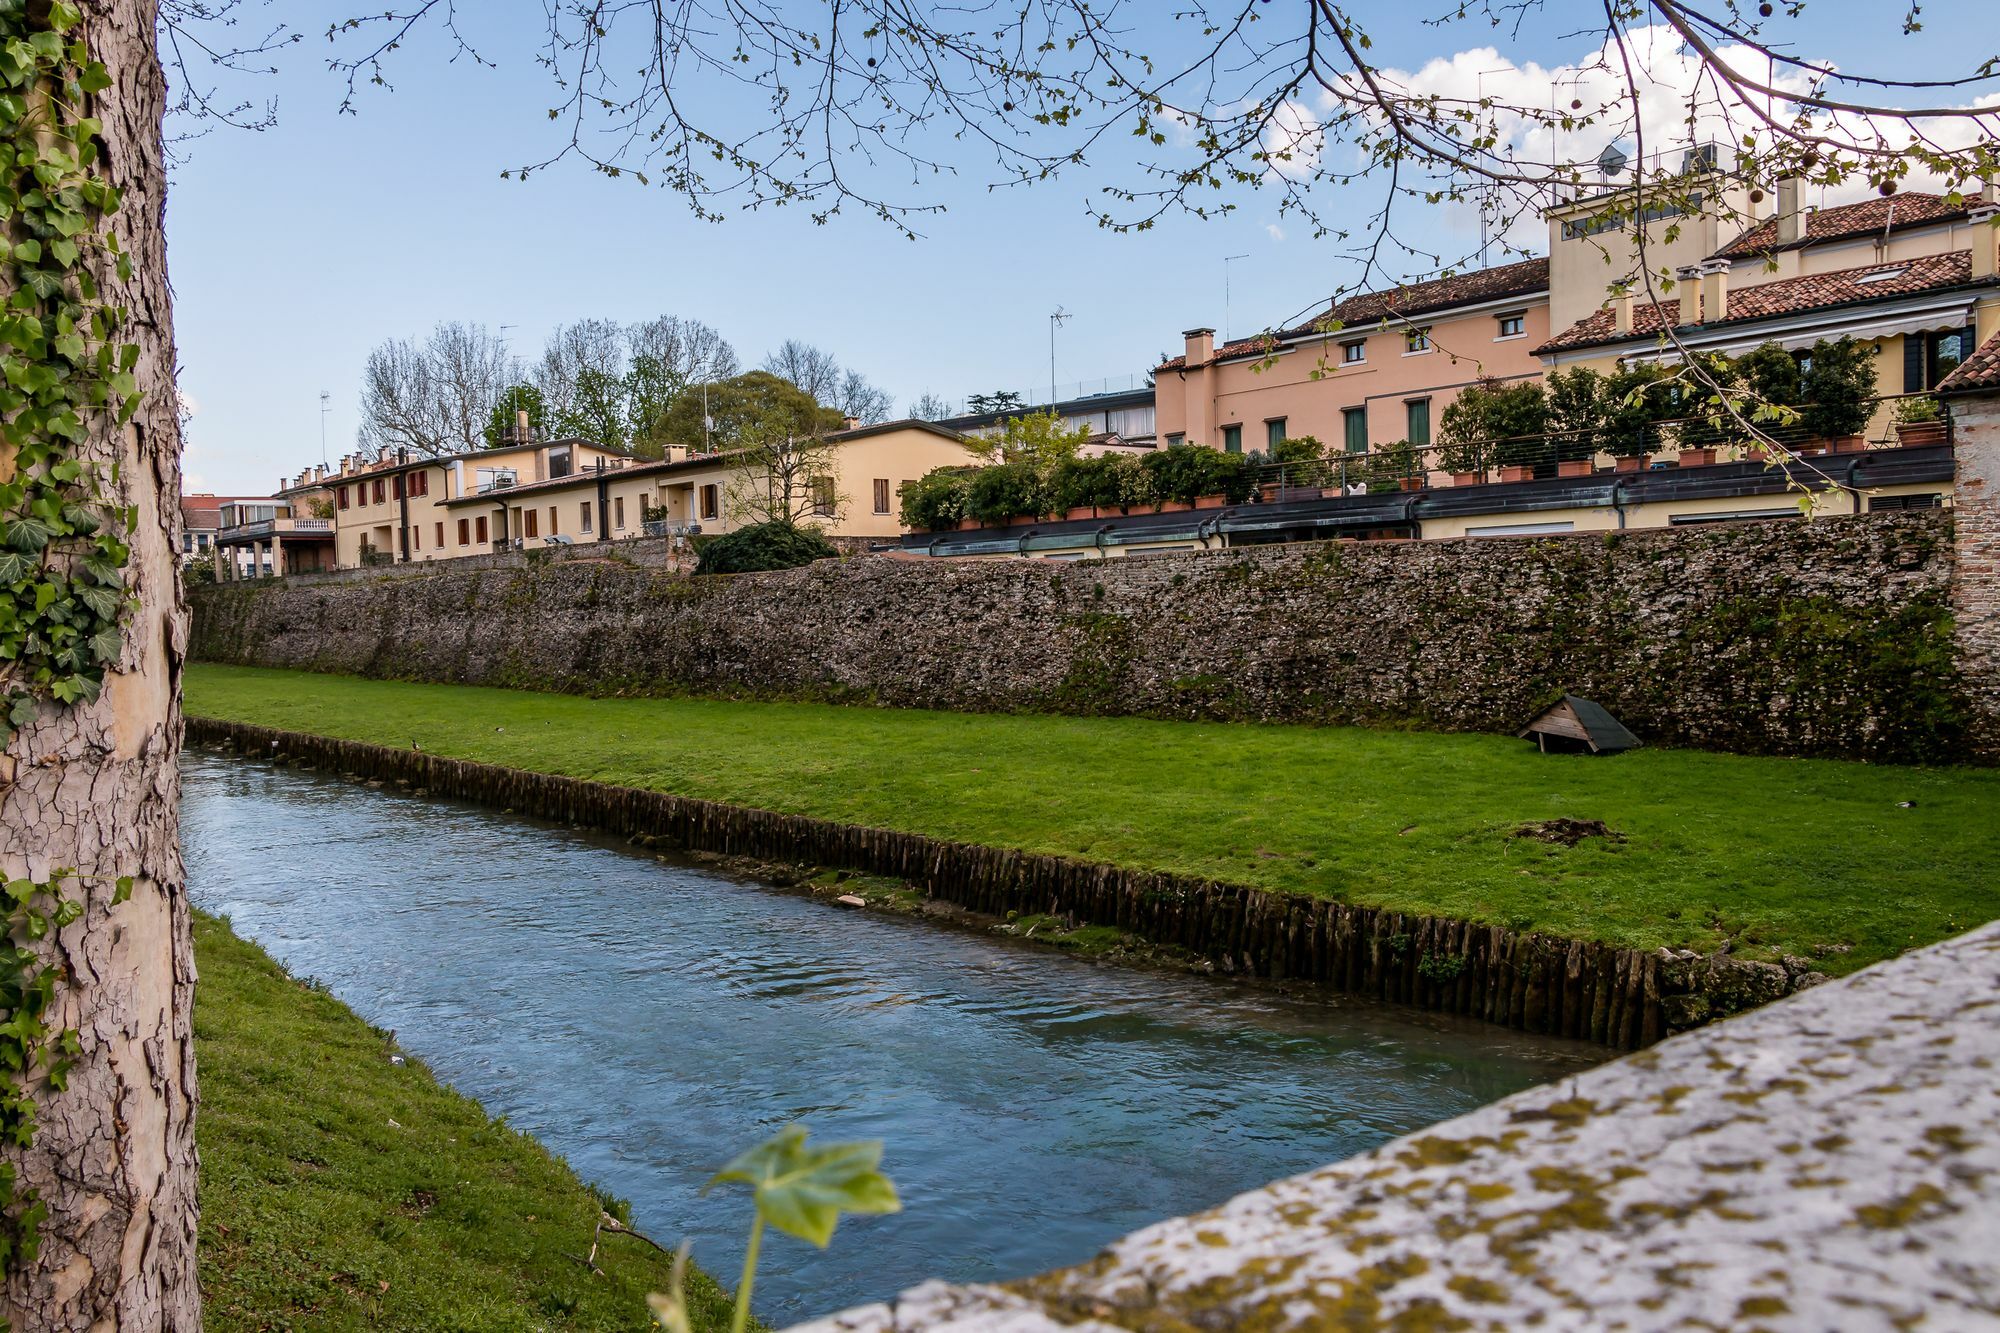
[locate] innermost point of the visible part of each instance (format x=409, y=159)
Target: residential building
x=1119, y=417
x=565, y=492
x=1367, y=371
x=275, y=540
x=202, y=518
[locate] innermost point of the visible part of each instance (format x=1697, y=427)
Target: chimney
x=1790, y=225
x=1200, y=346
x=1715, y=290
x=1689, y=278
x=1988, y=192
x=850, y=423
x=1621, y=313
x=1985, y=219
x=521, y=426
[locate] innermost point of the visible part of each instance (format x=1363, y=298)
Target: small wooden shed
x=1579, y=724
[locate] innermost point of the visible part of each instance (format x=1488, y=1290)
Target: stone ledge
x=1829, y=1161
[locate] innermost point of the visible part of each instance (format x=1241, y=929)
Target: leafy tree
x=1633, y=402
x=504, y=421
x=1007, y=490
x=1001, y=400
x=936, y=501
x=1040, y=439
x=1495, y=422
x=756, y=399
x=931, y=407
x=1839, y=389
x=763, y=546
x=819, y=373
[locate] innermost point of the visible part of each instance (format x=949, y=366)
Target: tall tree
x=89, y=780
x=739, y=407
x=780, y=473
x=933, y=407
x=435, y=397
x=819, y=373
x=503, y=425
x=581, y=376
x=665, y=356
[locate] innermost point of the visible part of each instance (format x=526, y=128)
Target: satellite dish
x=1611, y=161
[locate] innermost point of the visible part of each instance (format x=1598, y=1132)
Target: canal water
x=648, y=1020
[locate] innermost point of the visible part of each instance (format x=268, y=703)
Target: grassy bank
x=1843, y=862
x=340, y=1191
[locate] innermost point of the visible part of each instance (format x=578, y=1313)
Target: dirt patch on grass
x=1567, y=832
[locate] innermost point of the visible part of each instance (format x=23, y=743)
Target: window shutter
x=1913, y=363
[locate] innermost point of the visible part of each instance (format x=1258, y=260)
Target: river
x=647, y=1020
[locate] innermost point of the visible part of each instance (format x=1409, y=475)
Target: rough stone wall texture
x=1831, y=1161
x=1976, y=592
x=1831, y=637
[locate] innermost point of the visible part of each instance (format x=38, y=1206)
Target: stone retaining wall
x=1535, y=982
x=1833, y=637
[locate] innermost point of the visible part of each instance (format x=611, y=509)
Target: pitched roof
x=1868, y=218
x=202, y=510
x=885, y=427
x=1981, y=370
x=1525, y=278
x=1789, y=296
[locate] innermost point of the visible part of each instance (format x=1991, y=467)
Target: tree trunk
x=95, y=787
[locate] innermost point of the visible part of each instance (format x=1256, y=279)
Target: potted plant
x=1575, y=418
x=935, y=502
x=1920, y=421
x=1080, y=486
x=1005, y=493
x=1635, y=400
x=1838, y=389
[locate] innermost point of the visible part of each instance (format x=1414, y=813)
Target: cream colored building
x=566, y=492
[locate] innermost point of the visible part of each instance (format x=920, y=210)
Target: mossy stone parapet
x=1538, y=983
x=1831, y=1161
x=1833, y=637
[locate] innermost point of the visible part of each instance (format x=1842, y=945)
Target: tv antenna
x=1227, y=260
x=325, y=406
x=1056, y=321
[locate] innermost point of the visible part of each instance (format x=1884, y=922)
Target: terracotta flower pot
x=1081, y=511
x=970, y=525
x=1575, y=467
x=1174, y=507
x=1468, y=478
x=1697, y=457
x=1916, y=434
x=1412, y=483
x=1022, y=520
x=1211, y=501
x=1516, y=472
x=1849, y=444
x=1635, y=463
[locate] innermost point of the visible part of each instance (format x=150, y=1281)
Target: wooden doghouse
x=1579, y=724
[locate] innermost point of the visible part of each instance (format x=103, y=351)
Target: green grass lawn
x=1810, y=857
x=339, y=1191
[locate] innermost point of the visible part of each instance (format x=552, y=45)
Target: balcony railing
x=670, y=527
x=275, y=527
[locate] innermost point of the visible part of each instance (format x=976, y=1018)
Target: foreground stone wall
x=1831, y=1161
x=1831, y=637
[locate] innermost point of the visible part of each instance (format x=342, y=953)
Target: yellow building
x=567, y=492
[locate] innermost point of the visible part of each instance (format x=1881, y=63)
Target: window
x=618, y=512
x=1521, y=529
x=1513, y=326
x=340, y=497
x=396, y=487
x=479, y=525
x=1354, y=422
x=381, y=491
x=1945, y=352
x=420, y=483
x=1928, y=500
x=824, y=500
x=583, y=515
x=553, y=529
x=1882, y=275
x=1274, y=432
x=465, y=532
x=1354, y=353
x=710, y=502
x=534, y=521
x=514, y=528
x=1416, y=341
x=439, y=543
x=881, y=495
x=1176, y=438
x=1419, y=410
x=1232, y=439
x=416, y=539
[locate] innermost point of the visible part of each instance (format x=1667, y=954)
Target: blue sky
x=295, y=250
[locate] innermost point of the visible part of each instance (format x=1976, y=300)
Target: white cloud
x=1274, y=231
x=1293, y=141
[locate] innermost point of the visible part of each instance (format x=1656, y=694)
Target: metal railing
x=1688, y=442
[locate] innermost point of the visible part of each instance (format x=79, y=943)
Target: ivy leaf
x=29, y=533
x=15, y=566
x=803, y=1191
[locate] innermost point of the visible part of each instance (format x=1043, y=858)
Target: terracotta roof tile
x=1849, y=220
x=1790, y=296
x=1980, y=371
x=1526, y=278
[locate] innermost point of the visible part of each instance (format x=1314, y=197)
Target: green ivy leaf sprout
x=800, y=1190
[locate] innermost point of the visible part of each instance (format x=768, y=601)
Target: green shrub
x=1915, y=411
x=1634, y=402
x=935, y=502
x=1838, y=389
x=1298, y=449
x=1492, y=422
x=1005, y=491
x=1386, y=469
x=1131, y=481
x=763, y=546
x=1085, y=481
x=1180, y=472
x=1576, y=412
x=1769, y=375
